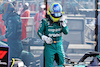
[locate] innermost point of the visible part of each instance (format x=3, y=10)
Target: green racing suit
x=56, y=48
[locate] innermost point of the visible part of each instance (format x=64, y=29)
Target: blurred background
x=81, y=17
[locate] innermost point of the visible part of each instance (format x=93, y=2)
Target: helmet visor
x=56, y=15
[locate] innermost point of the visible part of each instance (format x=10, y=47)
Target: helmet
x=5, y=9
x=27, y=4
x=55, y=12
x=42, y=5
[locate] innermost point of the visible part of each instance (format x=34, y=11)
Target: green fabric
x=98, y=56
x=55, y=32
x=27, y=57
x=5, y=9
x=13, y=35
x=14, y=27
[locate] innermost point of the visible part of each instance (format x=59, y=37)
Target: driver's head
x=55, y=12
x=5, y=9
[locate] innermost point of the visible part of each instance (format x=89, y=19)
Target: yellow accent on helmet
x=54, y=19
x=51, y=10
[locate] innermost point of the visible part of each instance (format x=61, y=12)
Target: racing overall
x=13, y=35
x=54, y=31
x=26, y=13
x=2, y=26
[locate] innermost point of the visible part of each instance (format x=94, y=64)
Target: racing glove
x=62, y=23
x=2, y=37
x=48, y=40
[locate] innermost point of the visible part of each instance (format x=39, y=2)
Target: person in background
x=25, y=13
x=15, y=5
x=32, y=7
x=3, y=27
x=20, y=8
x=13, y=23
x=50, y=31
x=13, y=32
x=39, y=16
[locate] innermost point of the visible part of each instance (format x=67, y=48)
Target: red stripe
x=2, y=54
x=7, y=7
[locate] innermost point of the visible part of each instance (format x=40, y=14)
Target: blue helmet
x=55, y=11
